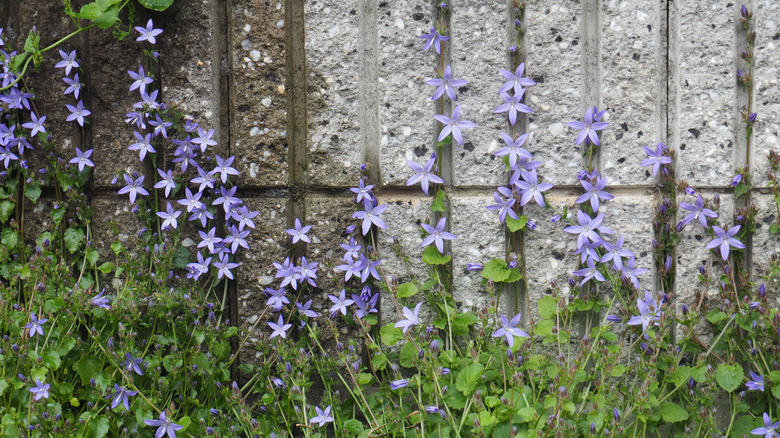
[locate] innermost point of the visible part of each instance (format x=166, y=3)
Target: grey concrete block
x=554, y=62
x=406, y=111
x=706, y=77
x=480, y=239
x=329, y=219
x=767, y=88
x=258, y=82
x=334, y=128
x=765, y=245
x=631, y=81
x=480, y=43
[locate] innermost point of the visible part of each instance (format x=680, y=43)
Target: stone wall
x=303, y=92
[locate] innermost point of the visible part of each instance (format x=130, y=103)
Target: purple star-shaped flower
x=100, y=301
x=352, y=267
x=305, y=309
x=725, y=240
x=697, y=212
x=82, y=159
x=649, y=312
x=369, y=268
x=515, y=80
x=224, y=265
x=362, y=191
x=512, y=106
x=503, y=207
x=204, y=140
x=322, y=418
x=74, y=86
x=131, y=364
x=236, y=238
x=594, y=192
x=6, y=156
x=411, y=318
x=434, y=38
x=453, y=125
x=531, y=188
x=287, y=272
x=41, y=390
x=276, y=299
x=133, y=187
x=227, y=198
x=437, y=235
x=196, y=269
x=36, y=125
x=140, y=80
x=68, y=61
x=615, y=253
x=143, y=145
x=400, y=383
x=509, y=330
x=514, y=149
x=166, y=182
x=589, y=127
x=35, y=325
x=365, y=305
x=169, y=218
x=423, y=174
x=446, y=85
x=340, y=303
x=280, y=328
x=193, y=200
x=164, y=425
x=590, y=272
x=757, y=384
x=209, y=239
x=630, y=272
x=587, y=228
x=148, y=33
x=160, y=126
x=299, y=232
x=371, y=216
x=769, y=428
x=121, y=396
x=77, y=113
x=656, y=158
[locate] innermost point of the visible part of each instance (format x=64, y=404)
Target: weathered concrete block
x=329, y=219
x=767, y=89
x=765, y=244
x=334, y=121
x=553, y=61
x=631, y=50
x=480, y=43
x=480, y=239
x=268, y=244
x=258, y=82
x=706, y=81
x=112, y=219
x=406, y=113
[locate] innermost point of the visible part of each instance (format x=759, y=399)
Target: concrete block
x=332, y=35
x=480, y=43
x=406, y=111
x=259, y=99
x=767, y=88
x=706, y=81
x=480, y=239
x=631, y=49
x=330, y=218
x=554, y=62
x=765, y=245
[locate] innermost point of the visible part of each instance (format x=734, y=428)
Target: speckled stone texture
x=553, y=61
x=630, y=87
x=258, y=92
x=403, y=217
x=110, y=214
x=406, y=112
x=480, y=44
x=692, y=253
x=707, y=92
x=334, y=122
x=765, y=244
x=632, y=217
x=480, y=239
x=329, y=219
x=267, y=245
x=767, y=88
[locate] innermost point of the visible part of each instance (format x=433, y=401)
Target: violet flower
x=531, y=188
x=509, y=330
x=514, y=149
x=649, y=312
x=594, y=192
x=423, y=174
x=340, y=303
x=223, y=168
x=41, y=390
x=35, y=325
x=224, y=265
x=166, y=182
x=437, y=235
x=769, y=428
x=398, y=384
x=322, y=418
x=280, y=328
x=512, y=106
x=453, y=125
x=305, y=309
x=74, y=86
x=656, y=158
x=299, y=232
x=587, y=228
x=36, y=125
x=100, y=301
x=140, y=80
x=169, y=218
x=164, y=425
x=433, y=39
x=725, y=240
x=121, y=395
x=204, y=140
x=68, y=61
x=411, y=319
x=131, y=364
x=82, y=159
x=148, y=33
x=77, y=113
x=503, y=207
x=133, y=187
x=371, y=216
x=697, y=211
x=362, y=191
x=589, y=127
x=515, y=80
x=446, y=85
x=757, y=383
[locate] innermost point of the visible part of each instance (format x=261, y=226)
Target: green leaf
x=90, y=11
x=776, y=390
x=379, y=361
x=116, y=246
x=548, y=307
x=445, y=142
x=105, y=268
x=516, y=225
x=673, y=413
x=105, y=4
x=742, y=426
x=390, y=334
x=365, y=378
x=108, y=18
x=464, y=319
x=171, y=362
x=681, y=375
x=716, y=316
x=202, y=361
x=407, y=290
x=741, y=189
x=469, y=377
x=156, y=5
x=9, y=238
x=182, y=257
x=51, y=359
x=774, y=229
x=32, y=41
x=496, y=270
x=729, y=377
x=3, y=386
x=353, y=426
x=73, y=238
x=438, y=201
x=98, y=427
x=87, y=367
x=57, y=214
x=246, y=368
x=618, y=370
x=92, y=256
x=6, y=208
x=32, y=191
x=408, y=355
x=432, y=256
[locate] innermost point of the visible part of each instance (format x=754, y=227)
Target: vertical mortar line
x=84, y=138
x=368, y=87
x=673, y=103
x=5, y=13
x=660, y=37
x=222, y=25
x=297, y=117
x=590, y=57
